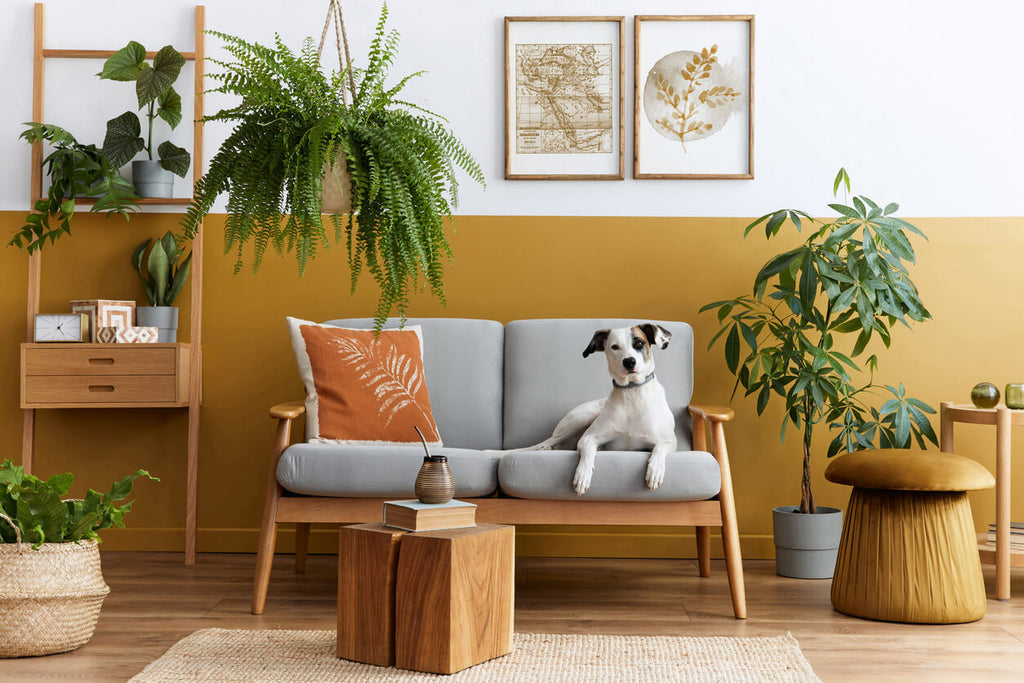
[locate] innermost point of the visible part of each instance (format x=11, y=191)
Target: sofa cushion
x=546, y=375
x=364, y=471
x=618, y=476
x=361, y=388
x=462, y=361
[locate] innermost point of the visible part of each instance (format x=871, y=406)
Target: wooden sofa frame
x=702, y=515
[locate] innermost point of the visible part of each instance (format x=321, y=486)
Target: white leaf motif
x=394, y=377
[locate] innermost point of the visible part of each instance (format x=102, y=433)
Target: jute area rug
x=281, y=656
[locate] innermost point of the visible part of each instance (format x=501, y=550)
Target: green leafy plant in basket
x=163, y=276
x=154, y=88
x=74, y=170
x=36, y=507
x=848, y=280
x=293, y=121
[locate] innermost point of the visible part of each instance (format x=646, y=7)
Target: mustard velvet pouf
x=909, y=552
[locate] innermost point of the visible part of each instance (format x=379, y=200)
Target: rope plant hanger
x=337, y=183
x=295, y=125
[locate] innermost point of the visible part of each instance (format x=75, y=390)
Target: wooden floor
x=156, y=600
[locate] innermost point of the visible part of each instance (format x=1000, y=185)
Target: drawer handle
x=100, y=388
x=101, y=361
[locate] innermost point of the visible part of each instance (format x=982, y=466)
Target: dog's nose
x=629, y=363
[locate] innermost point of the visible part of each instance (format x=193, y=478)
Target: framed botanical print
x=694, y=97
x=564, y=98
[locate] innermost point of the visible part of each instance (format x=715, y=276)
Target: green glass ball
x=985, y=395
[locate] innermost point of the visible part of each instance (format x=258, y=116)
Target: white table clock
x=61, y=327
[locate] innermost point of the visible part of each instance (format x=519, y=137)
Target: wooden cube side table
x=454, y=598
x=367, y=563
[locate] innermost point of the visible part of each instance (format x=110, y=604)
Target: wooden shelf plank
x=51, y=53
x=142, y=201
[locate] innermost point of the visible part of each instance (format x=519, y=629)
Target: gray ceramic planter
x=806, y=546
x=163, y=317
x=152, y=180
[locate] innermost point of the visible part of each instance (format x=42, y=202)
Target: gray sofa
x=497, y=387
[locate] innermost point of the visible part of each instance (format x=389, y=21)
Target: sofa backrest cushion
x=546, y=375
x=462, y=362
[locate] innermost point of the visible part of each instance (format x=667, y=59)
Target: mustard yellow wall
x=506, y=268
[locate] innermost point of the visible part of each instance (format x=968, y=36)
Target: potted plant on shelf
x=154, y=87
x=163, y=278
x=51, y=584
x=294, y=121
x=784, y=343
x=75, y=170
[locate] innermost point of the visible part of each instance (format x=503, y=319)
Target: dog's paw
x=655, y=475
x=581, y=480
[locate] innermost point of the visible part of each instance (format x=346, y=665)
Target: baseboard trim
x=530, y=542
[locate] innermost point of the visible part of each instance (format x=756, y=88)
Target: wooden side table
x=433, y=601
x=1003, y=418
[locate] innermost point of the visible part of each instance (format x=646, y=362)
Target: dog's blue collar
x=629, y=385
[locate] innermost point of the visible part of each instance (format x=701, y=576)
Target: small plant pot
x=152, y=180
x=336, y=197
x=165, y=318
x=806, y=546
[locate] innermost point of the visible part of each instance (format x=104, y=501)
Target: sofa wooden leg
x=704, y=550
x=301, y=546
x=264, y=561
x=730, y=531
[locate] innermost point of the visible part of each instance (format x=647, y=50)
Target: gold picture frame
x=693, y=105
x=564, y=101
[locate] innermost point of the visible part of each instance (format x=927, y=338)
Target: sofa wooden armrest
x=288, y=411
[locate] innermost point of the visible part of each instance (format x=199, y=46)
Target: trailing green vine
x=292, y=120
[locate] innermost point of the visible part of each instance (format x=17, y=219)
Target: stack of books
x=1016, y=535
x=412, y=515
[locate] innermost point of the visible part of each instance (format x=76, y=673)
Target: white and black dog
x=635, y=416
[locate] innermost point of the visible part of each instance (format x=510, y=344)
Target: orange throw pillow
x=361, y=389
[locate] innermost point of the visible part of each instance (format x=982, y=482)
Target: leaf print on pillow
x=394, y=378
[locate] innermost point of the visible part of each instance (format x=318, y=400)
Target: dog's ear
x=656, y=335
x=596, y=342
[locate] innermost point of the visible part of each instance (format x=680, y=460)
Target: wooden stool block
x=367, y=562
x=454, y=598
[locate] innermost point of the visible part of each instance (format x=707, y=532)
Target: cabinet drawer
x=109, y=389
x=106, y=359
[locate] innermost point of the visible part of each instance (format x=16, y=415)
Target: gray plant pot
x=152, y=180
x=163, y=317
x=806, y=546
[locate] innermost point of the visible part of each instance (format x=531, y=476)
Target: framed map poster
x=563, y=98
x=694, y=97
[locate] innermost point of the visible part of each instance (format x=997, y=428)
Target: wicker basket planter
x=50, y=598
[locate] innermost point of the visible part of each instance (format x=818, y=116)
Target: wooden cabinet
x=104, y=375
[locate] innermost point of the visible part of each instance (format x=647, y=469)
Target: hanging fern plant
x=293, y=120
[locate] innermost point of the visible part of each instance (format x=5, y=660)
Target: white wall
x=920, y=100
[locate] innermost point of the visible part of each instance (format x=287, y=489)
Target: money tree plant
x=799, y=336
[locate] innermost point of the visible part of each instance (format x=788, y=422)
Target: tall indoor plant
x=294, y=120
x=154, y=89
x=813, y=311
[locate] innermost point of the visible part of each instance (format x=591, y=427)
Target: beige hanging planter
x=337, y=187
x=50, y=598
